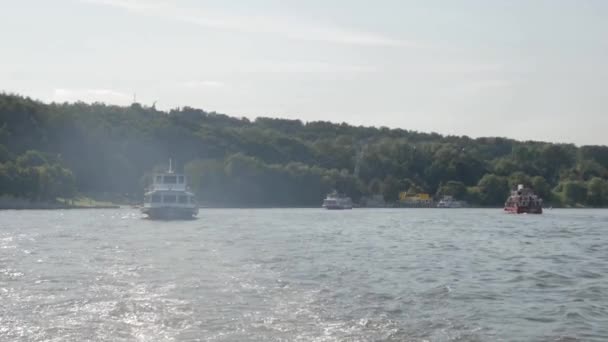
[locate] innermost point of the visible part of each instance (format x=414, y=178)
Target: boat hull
x=449, y=206
x=170, y=213
x=336, y=207
x=523, y=210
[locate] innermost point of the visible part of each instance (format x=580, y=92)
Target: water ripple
x=304, y=275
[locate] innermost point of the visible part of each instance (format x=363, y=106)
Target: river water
x=304, y=275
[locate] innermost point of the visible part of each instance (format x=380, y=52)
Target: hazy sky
x=526, y=69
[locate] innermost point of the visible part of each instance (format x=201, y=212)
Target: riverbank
x=85, y=202
x=15, y=203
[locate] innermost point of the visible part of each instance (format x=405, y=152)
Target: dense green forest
x=58, y=150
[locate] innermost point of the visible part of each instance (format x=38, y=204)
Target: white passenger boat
x=450, y=202
x=335, y=201
x=169, y=198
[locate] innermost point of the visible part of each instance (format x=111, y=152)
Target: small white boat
x=450, y=202
x=335, y=201
x=169, y=197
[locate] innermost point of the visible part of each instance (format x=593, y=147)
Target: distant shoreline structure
x=23, y=204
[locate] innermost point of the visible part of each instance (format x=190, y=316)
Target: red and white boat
x=523, y=201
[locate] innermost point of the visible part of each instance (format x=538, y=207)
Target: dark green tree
x=493, y=190
x=574, y=192
x=597, y=192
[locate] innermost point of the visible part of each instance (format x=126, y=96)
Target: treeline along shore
x=54, y=152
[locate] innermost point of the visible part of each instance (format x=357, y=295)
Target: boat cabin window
x=146, y=199
x=170, y=179
x=181, y=180
x=159, y=179
x=183, y=199
x=156, y=198
x=169, y=198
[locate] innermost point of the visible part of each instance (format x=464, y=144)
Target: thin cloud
x=131, y=5
x=485, y=84
x=280, y=67
x=203, y=84
x=450, y=68
x=89, y=95
x=477, y=87
x=312, y=67
x=281, y=26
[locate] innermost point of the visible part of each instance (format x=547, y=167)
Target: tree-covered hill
x=58, y=150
